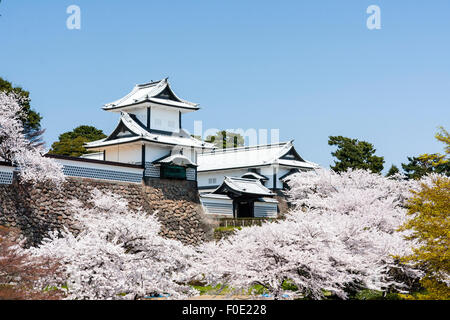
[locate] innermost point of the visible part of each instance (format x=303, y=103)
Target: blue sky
x=309, y=68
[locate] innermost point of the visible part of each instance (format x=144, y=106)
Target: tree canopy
x=392, y=171
x=430, y=225
x=16, y=148
x=224, y=139
x=71, y=142
x=416, y=167
x=354, y=154
x=339, y=235
x=430, y=163
x=31, y=120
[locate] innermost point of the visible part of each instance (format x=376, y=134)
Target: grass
x=255, y=289
x=258, y=289
x=230, y=228
x=367, y=294
x=54, y=288
x=219, y=289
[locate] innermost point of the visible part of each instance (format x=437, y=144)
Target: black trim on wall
x=143, y=155
x=179, y=116
x=163, y=157
x=148, y=117
x=143, y=159
x=274, y=180
x=104, y=155
x=143, y=126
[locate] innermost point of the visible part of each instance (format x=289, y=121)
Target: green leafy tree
x=224, y=139
x=393, y=170
x=444, y=137
x=355, y=154
x=429, y=163
x=31, y=119
x=416, y=167
x=430, y=225
x=71, y=143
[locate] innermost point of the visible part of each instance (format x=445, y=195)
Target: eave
x=143, y=140
x=147, y=103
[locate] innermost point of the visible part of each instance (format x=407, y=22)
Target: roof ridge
x=118, y=101
x=287, y=146
x=245, y=148
x=149, y=83
x=148, y=92
x=243, y=179
x=133, y=91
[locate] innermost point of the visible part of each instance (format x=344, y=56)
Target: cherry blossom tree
x=340, y=237
x=17, y=149
x=118, y=254
x=20, y=273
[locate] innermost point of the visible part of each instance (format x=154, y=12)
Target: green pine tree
x=354, y=154
x=71, y=143
x=393, y=170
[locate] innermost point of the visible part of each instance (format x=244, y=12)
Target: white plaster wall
x=153, y=152
x=281, y=172
x=133, y=153
x=95, y=156
x=203, y=177
x=268, y=172
x=188, y=152
x=163, y=119
x=141, y=114
x=124, y=153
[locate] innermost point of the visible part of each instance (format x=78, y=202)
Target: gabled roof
x=254, y=175
x=243, y=187
x=225, y=197
x=246, y=157
x=176, y=159
x=158, y=92
x=129, y=130
x=286, y=177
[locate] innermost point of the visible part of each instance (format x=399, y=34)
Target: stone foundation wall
x=39, y=208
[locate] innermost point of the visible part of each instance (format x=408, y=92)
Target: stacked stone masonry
x=37, y=209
